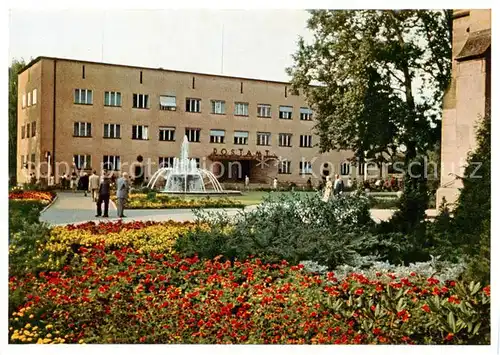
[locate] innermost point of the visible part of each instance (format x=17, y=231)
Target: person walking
x=94, y=186
x=122, y=188
x=73, y=181
x=328, y=189
x=247, y=182
x=275, y=184
x=85, y=183
x=104, y=191
x=338, y=186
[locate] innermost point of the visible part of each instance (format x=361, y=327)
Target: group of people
x=337, y=187
x=100, y=189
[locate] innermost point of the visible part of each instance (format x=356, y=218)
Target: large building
x=75, y=115
x=468, y=97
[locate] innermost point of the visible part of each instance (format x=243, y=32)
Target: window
x=361, y=168
x=305, y=114
x=167, y=134
x=286, y=112
x=111, y=162
x=82, y=129
x=23, y=132
x=193, y=105
x=193, y=134
x=305, y=141
x=305, y=167
x=140, y=132
x=33, y=129
x=29, y=99
x=112, y=130
x=197, y=160
x=34, y=96
x=83, y=71
x=33, y=158
x=112, y=98
x=83, y=96
x=263, y=110
x=217, y=136
x=82, y=161
x=263, y=138
x=284, y=167
x=140, y=101
x=240, y=109
x=345, y=168
x=218, y=107
x=24, y=101
x=28, y=130
x=168, y=103
x=166, y=162
x=285, y=140
x=240, y=137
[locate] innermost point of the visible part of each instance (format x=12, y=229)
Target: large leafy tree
x=375, y=79
x=14, y=69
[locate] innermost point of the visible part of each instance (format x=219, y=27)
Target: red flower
x=486, y=290
x=376, y=331
x=453, y=299
x=426, y=308
x=432, y=281
x=404, y=315
x=449, y=336
x=359, y=292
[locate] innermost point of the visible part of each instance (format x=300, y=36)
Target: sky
x=256, y=43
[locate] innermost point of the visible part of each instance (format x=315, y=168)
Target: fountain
x=184, y=177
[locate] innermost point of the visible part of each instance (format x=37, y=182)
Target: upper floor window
x=111, y=162
x=305, y=141
x=166, y=162
x=285, y=139
x=218, y=107
x=29, y=99
x=167, y=134
x=305, y=114
x=28, y=130
x=112, y=130
x=24, y=101
x=168, y=103
x=286, y=112
x=193, y=134
x=193, y=105
x=33, y=129
x=241, y=109
x=112, y=98
x=82, y=161
x=82, y=129
x=217, y=136
x=83, y=96
x=140, y=101
x=240, y=137
x=263, y=138
x=34, y=96
x=263, y=110
x=140, y=132
x=23, y=132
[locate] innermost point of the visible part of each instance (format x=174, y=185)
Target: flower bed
x=126, y=296
x=42, y=196
x=157, y=201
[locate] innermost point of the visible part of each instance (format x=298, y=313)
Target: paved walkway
x=75, y=208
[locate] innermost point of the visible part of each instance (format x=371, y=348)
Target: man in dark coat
x=104, y=191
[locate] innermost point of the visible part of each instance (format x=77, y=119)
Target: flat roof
x=37, y=59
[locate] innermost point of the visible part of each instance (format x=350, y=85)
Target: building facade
x=468, y=96
x=75, y=115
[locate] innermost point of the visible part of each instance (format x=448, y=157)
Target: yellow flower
x=27, y=326
x=31, y=316
x=49, y=335
x=48, y=326
x=81, y=341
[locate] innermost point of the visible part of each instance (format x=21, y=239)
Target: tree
x=379, y=78
x=14, y=70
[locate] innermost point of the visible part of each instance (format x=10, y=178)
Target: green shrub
x=294, y=228
x=23, y=213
